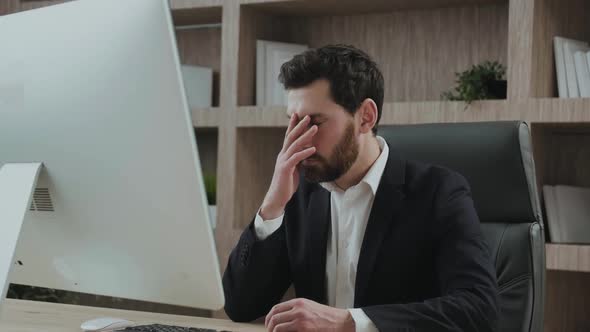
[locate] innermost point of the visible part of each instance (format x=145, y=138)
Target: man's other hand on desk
x=306, y=315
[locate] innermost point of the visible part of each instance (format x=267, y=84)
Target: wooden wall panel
x=567, y=302
x=257, y=151
x=520, y=48
x=418, y=51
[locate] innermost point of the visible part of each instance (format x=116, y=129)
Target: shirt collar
x=373, y=176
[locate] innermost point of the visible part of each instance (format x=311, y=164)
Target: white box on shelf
x=568, y=213
x=198, y=83
x=270, y=56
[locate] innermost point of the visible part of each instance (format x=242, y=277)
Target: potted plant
x=32, y=293
x=482, y=81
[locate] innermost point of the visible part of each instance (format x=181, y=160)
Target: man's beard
x=343, y=156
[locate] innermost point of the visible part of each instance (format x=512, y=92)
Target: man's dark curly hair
x=352, y=74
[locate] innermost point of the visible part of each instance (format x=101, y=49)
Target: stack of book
x=198, y=83
x=572, y=62
x=568, y=213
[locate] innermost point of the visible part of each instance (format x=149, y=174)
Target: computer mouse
x=103, y=324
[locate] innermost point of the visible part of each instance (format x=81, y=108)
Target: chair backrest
x=496, y=159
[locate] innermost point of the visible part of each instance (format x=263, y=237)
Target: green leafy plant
x=476, y=82
x=210, y=187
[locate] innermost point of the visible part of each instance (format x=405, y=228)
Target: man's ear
x=367, y=114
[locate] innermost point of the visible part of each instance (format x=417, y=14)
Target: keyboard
x=166, y=328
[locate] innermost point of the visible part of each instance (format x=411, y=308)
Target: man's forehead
x=307, y=107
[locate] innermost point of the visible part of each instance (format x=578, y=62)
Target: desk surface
x=29, y=316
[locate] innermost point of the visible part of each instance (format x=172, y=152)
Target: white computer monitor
x=92, y=90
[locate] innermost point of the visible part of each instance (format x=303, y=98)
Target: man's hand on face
x=285, y=180
x=306, y=315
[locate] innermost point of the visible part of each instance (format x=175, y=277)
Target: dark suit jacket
x=424, y=264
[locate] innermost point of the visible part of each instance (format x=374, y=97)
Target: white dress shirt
x=350, y=212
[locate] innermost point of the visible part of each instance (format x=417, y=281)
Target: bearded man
x=369, y=240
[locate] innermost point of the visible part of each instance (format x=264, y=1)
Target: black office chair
x=496, y=158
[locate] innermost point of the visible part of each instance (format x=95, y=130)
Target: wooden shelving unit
x=188, y=12
x=408, y=51
x=419, y=45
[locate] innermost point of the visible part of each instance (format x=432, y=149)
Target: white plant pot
x=213, y=215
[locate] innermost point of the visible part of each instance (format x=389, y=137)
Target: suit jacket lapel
x=388, y=200
x=318, y=216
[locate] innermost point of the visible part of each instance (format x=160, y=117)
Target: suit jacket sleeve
x=466, y=275
x=257, y=275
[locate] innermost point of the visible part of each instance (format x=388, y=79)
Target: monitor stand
x=17, y=183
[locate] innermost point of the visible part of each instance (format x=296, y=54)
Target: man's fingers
x=281, y=307
x=301, y=141
x=280, y=318
x=285, y=327
x=296, y=132
x=296, y=158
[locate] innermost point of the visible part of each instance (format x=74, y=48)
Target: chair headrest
x=495, y=158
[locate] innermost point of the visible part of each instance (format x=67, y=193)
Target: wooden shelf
x=568, y=257
x=206, y=118
x=194, y=4
x=530, y=110
x=262, y=116
x=393, y=113
x=354, y=7
x=544, y=110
